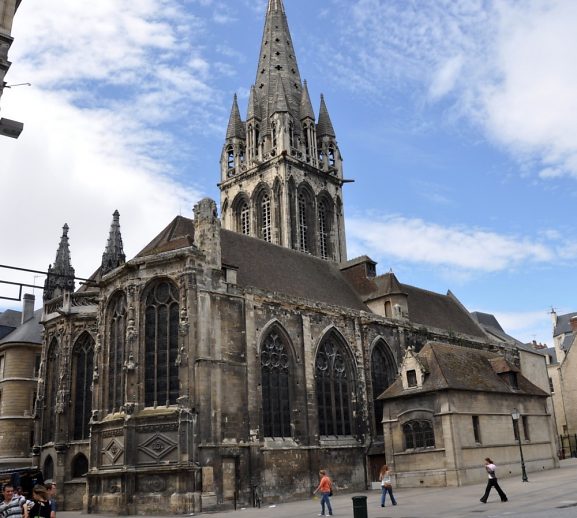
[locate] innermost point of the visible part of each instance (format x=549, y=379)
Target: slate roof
x=274, y=268
x=178, y=234
x=563, y=324
x=567, y=342
x=29, y=332
x=491, y=326
x=463, y=368
x=442, y=311
x=9, y=320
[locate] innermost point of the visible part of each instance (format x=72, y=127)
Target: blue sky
x=456, y=119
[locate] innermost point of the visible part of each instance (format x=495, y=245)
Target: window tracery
x=303, y=223
x=418, y=434
x=323, y=230
x=161, y=344
x=265, y=217
x=275, y=374
x=244, y=219
x=335, y=383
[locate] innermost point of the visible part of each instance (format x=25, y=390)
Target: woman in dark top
x=40, y=504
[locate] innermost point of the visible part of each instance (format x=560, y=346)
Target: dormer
x=413, y=371
x=506, y=372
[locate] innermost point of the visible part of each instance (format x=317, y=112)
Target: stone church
x=239, y=354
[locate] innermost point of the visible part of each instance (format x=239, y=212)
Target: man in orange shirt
x=325, y=488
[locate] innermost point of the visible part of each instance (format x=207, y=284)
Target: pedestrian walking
x=325, y=488
x=386, y=485
x=14, y=505
x=492, y=482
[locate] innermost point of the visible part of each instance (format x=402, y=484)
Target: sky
x=456, y=119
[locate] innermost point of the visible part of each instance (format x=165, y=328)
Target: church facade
x=239, y=354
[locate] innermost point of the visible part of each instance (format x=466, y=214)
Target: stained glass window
x=161, y=345
x=275, y=369
x=383, y=371
x=335, y=388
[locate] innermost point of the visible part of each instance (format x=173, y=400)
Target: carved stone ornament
x=152, y=484
x=130, y=364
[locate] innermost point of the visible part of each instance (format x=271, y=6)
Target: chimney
x=27, y=307
x=573, y=322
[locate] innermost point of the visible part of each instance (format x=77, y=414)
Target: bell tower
x=281, y=169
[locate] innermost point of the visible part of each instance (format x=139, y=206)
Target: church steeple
x=113, y=255
x=281, y=180
x=60, y=277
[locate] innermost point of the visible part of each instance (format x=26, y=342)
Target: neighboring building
x=451, y=407
x=20, y=351
x=229, y=360
x=8, y=128
x=562, y=370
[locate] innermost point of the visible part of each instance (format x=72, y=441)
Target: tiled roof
x=463, y=368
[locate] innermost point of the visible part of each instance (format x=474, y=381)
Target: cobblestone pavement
x=548, y=494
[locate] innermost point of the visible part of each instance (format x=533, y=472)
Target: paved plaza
x=548, y=494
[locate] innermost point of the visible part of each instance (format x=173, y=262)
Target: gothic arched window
x=383, y=371
x=324, y=230
x=335, y=384
x=48, y=471
x=79, y=466
x=256, y=139
x=244, y=219
x=291, y=134
x=274, y=135
x=230, y=159
x=275, y=373
x=265, y=218
x=307, y=143
x=51, y=388
x=82, y=365
x=117, y=319
x=332, y=160
x=161, y=344
x=303, y=223
x=418, y=434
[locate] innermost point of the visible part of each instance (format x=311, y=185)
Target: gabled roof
x=493, y=329
x=274, y=268
x=178, y=234
x=567, y=342
x=29, y=332
x=441, y=311
x=452, y=367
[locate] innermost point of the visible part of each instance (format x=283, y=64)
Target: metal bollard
x=360, y=507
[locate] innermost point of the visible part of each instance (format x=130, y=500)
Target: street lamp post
x=515, y=415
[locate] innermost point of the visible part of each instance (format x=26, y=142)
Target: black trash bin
x=360, y=507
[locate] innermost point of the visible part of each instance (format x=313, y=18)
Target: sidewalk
x=548, y=494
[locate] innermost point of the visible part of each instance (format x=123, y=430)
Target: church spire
x=235, y=125
x=325, y=126
x=277, y=62
x=113, y=255
x=60, y=276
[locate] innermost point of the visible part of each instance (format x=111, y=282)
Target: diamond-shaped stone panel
x=157, y=446
x=113, y=450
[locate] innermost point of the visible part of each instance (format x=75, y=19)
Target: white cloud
x=465, y=249
x=509, y=67
x=527, y=326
